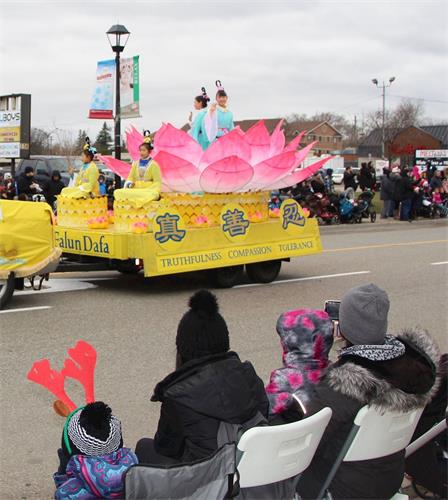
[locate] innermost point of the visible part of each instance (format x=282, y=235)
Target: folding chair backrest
x=272, y=454
x=375, y=434
x=381, y=433
x=202, y=480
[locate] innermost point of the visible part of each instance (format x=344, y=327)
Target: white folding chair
x=374, y=434
x=274, y=453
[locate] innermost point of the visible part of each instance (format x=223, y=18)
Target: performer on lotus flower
x=144, y=181
x=197, y=130
x=86, y=183
x=219, y=119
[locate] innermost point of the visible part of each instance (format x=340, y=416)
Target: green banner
x=129, y=87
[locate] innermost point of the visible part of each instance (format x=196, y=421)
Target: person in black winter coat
x=210, y=385
x=364, y=177
x=387, y=194
x=349, y=179
x=405, y=189
x=26, y=184
x=53, y=187
x=391, y=373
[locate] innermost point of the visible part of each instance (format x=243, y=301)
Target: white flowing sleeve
x=211, y=125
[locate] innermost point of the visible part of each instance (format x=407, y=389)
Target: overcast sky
x=273, y=57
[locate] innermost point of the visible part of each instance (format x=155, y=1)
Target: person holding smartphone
x=306, y=337
x=396, y=373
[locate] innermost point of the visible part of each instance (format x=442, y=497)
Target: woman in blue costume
x=219, y=119
x=197, y=130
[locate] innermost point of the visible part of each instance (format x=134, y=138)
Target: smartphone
x=332, y=309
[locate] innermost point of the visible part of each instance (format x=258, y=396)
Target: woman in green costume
x=144, y=181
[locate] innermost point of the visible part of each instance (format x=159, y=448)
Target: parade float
x=27, y=246
x=198, y=209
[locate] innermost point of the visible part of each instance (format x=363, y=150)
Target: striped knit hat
x=94, y=431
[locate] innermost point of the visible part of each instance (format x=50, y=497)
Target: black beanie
x=202, y=331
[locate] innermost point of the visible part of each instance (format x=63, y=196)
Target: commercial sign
x=437, y=157
x=15, y=125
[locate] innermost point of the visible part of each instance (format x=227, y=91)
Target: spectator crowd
x=211, y=385
x=26, y=188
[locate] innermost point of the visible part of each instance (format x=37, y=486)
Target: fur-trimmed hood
x=401, y=384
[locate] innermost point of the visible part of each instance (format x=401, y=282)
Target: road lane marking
x=22, y=309
x=308, y=278
x=384, y=245
x=438, y=263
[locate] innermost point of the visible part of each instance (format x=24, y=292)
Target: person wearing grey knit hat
x=393, y=373
x=363, y=315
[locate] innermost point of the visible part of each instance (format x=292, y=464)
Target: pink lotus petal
x=171, y=140
x=295, y=143
x=231, y=144
x=277, y=139
x=300, y=175
x=303, y=153
x=260, y=142
x=133, y=141
x=271, y=170
x=117, y=166
x=178, y=173
x=226, y=175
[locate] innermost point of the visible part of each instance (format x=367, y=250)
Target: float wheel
x=226, y=277
x=127, y=266
x=6, y=290
x=264, y=272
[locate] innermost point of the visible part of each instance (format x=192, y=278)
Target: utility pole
x=383, y=127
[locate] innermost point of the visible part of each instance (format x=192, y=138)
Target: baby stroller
x=440, y=209
x=324, y=209
x=348, y=208
x=425, y=207
x=365, y=205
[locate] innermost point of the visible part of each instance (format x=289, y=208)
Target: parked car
x=338, y=175
x=44, y=166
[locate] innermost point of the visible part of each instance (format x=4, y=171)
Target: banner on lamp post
x=129, y=87
x=101, y=106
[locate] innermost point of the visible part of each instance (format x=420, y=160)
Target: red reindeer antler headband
x=79, y=366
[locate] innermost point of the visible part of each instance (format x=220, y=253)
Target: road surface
x=132, y=323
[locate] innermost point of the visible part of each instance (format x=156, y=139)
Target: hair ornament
x=204, y=94
x=88, y=147
x=219, y=85
x=147, y=137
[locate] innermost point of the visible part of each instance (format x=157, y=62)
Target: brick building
x=328, y=138
x=402, y=143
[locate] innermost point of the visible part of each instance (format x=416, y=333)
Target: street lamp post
x=383, y=128
x=118, y=36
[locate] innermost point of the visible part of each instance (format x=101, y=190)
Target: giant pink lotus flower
x=235, y=162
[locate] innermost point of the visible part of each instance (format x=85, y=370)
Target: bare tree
x=65, y=143
x=39, y=144
x=409, y=112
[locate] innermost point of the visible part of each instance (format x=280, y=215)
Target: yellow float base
x=77, y=212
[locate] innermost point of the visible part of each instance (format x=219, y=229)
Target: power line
x=418, y=98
